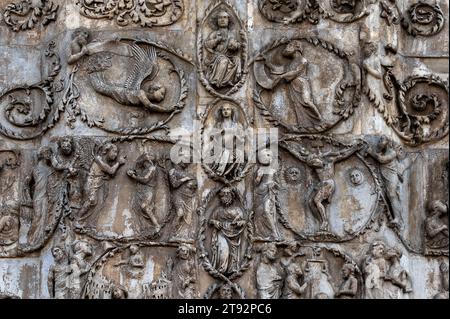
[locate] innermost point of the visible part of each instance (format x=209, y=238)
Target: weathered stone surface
x=224, y=149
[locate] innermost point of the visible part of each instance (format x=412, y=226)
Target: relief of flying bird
x=132, y=92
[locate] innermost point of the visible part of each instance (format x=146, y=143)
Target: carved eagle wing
x=144, y=66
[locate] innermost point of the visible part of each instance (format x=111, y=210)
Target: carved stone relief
x=143, y=13
x=26, y=14
x=273, y=149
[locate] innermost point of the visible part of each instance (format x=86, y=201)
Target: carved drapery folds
x=222, y=49
x=226, y=149
x=287, y=93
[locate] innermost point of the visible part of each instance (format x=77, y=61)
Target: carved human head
x=443, y=267
x=383, y=143
x=110, y=150
x=437, y=207
x=81, y=35
x=226, y=291
x=348, y=270
x=356, y=177
x=265, y=156
x=58, y=253
x=227, y=110
x=378, y=249
x=45, y=153
x=223, y=19
x=192, y=185
x=369, y=49
x=11, y=160
x=134, y=249
x=226, y=196
x=145, y=161
x=293, y=174
x=66, y=145
x=393, y=254
x=294, y=269
x=156, y=93
x=292, y=47
x=184, y=251
x=82, y=247
x=291, y=249
x=119, y=292
x=269, y=251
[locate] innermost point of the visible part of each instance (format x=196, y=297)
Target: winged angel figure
x=134, y=91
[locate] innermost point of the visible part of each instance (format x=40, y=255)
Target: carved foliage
x=26, y=14
x=295, y=11
x=423, y=19
x=423, y=104
x=145, y=13
x=27, y=112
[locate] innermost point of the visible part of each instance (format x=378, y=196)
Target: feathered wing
x=144, y=66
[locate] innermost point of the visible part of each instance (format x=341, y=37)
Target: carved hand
x=123, y=160
x=131, y=173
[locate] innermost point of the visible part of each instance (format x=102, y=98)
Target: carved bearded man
x=229, y=225
x=224, y=64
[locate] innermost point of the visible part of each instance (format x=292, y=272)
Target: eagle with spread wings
x=132, y=92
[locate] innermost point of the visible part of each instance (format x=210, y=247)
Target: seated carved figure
x=436, y=229
x=223, y=63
